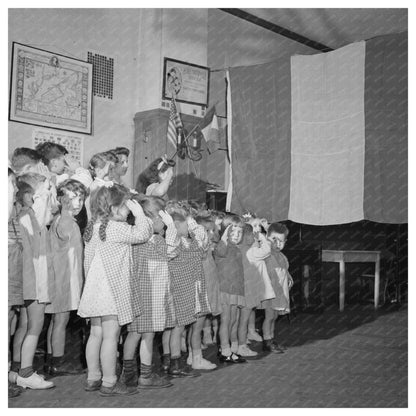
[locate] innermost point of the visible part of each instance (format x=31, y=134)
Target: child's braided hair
x=102, y=200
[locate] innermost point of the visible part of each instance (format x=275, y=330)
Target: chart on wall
x=50, y=90
x=74, y=144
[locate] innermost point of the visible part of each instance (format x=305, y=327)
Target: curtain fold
x=260, y=97
x=386, y=114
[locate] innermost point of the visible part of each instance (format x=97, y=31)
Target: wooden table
x=354, y=256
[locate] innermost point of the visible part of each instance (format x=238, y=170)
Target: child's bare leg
x=36, y=314
x=245, y=314
x=234, y=319
x=224, y=330
x=108, y=353
x=60, y=322
x=19, y=335
x=92, y=352
x=130, y=345
x=146, y=348
x=215, y=328
x=130, y=373
x=175, y=341
x=166, y=341
x=252, y=334
x=268, y=320
x=207, y=330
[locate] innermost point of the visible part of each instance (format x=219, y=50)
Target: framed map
x=50, y=90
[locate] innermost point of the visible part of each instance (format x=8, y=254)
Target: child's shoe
x=244, y=351
x=119, y=389
x=92, y=385
x=232, y=359
x=254, y=336
x=179, y=369
x=153, y=382
x=268, y=346
x=200, y=363
x=35, y=382
x=129, y=375
x=14, y=390
x=165, y=363
x=280, y=346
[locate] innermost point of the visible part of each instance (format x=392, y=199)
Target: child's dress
x=228, y=259
x=187, y=279
x=107, y=264
x=15, y=262
x=151, y=284
x=38, y=276
x=212, y=282
x=278, y=270
x=67, y=261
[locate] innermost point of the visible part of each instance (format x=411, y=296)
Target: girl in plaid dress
x=107, y=297
x=188, y=286
x=150, y=283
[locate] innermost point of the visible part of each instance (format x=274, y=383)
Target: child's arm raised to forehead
x=121, y=232
x=199, y=232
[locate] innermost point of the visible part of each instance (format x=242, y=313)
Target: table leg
x=341, y=285
x=377, y=283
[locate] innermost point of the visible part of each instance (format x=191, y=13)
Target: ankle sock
x=129, y=364
x=145, y=370
x=93, y=376
x=15, y=366
x=48, y=359
x=226, y=351
x=234, y=346
x=26, y=372
x=57, y=361
x=109, y=381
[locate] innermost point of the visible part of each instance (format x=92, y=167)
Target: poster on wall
x=50, y=90
x=188, y=83
x=74, y=144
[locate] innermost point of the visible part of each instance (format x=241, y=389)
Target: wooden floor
x=358, y=358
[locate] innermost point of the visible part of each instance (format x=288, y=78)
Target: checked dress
x=187, y=276
x=112, y=258
x=151, y=283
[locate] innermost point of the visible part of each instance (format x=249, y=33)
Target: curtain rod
x=277, y=29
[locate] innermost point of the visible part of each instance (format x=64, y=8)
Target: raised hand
x=135, y=208
x=166, y=218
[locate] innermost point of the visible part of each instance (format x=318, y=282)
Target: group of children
x=81, y=240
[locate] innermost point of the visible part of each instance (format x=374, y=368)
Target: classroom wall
x=137, y=39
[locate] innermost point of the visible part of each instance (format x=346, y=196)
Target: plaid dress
x=115, y=253
x=151, y=284
x=187, y=279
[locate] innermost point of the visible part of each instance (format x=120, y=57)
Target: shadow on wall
x=187, y=186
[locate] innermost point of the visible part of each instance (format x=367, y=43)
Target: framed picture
x=189, y=83
x=50, y=90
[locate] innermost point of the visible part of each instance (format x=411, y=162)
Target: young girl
x=67, y=259
x=211, y=278
x=156, y=178
x=187, y=289
x=99, y=168
x=151, y=283
x=106, y=298
x=230, y=270
x=38, y=279
x=277, y=268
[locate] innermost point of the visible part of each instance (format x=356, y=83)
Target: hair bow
x=164, y=160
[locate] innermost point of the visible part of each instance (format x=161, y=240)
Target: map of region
x=52, y=89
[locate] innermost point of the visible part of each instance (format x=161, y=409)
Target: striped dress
x=151, y=284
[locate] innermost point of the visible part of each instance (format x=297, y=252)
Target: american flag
x=173, y=124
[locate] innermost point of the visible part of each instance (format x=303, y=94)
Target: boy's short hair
x=277, y=227
x=121, y=151
x=23, y=156
x=247, y=229
x=31, y=178
x=50, y=150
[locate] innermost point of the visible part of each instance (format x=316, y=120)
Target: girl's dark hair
x=151, y=174
x=247, y=229
x=121, y=151
x=102, y=200
x=279, y=228
x=98, y=160
x=71, y=185
x=50, y=150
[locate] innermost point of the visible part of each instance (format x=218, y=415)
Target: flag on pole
x=210, y=130
x=174, y=124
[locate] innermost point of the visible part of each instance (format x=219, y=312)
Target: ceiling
x=337, y=27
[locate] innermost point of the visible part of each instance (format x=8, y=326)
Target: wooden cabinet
x=151, y=143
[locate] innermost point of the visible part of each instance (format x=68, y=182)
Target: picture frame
x=50, y=90
x=188, y=82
